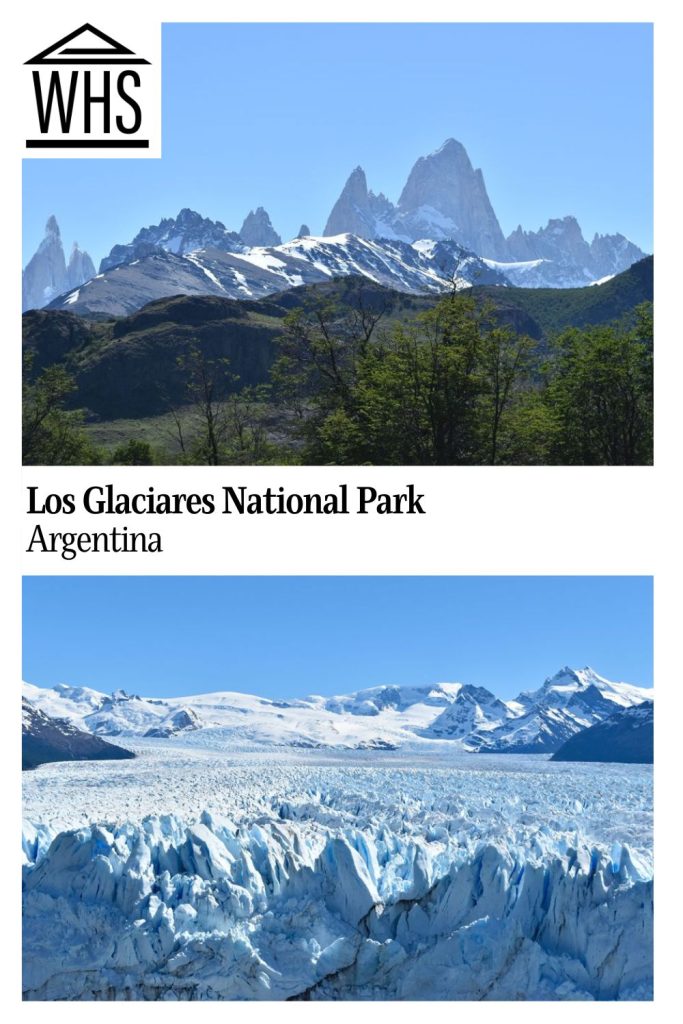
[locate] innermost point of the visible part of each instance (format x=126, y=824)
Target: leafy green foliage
x=51, y=434
x=600, y=390
x=133, y=453
x=453, y=386
x=435, y=390
x=219, y=425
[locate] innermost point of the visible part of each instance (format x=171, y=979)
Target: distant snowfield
x=228, y=874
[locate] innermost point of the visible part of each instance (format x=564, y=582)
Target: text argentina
x=118, y=540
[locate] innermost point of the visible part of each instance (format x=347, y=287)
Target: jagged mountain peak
x=443, y=198
x=443, y=191
x=449, y=152
x=450, y=145
x=47, y=274
x=356, y=176
x=355, y=188
x=353, y=212
x=52, y=227
x=257, y=229
x=188, y=232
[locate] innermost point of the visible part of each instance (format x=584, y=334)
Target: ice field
x=188, y=873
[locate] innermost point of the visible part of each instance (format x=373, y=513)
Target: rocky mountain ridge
x=45, y=739
x=468, y=718
x=254, y=273
x=446, y=198
x=444, y=202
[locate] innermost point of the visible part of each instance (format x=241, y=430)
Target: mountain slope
x=553, y=309
x=128, y=367
x=627, y=736
x=176, y=235
x=567, y=703
x=467, y=717
x=257, y=272
x=45, y=739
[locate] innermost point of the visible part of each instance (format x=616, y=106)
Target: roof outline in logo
x=113, y=53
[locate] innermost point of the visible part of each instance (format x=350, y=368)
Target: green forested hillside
x=336, y=359
x=554, y=309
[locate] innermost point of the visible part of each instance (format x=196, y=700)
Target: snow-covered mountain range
x=468, y=718
x=424, y=267
x=446, y=198
x=442, y=228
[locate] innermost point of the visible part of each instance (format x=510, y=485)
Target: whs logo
x=90, y=92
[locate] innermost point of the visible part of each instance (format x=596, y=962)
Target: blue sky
x=290, y=636
x=559, y=118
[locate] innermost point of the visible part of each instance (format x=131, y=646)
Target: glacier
x=193, y=873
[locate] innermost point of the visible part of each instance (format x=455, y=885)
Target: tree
x=601, y=390
x=421, y=389
x=505, y=359
x=321, y=352
x=208, y=383
x=133, y=453
x=220, y=425
x=51, y=434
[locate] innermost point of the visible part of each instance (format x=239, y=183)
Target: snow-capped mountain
x=178, y=235
x=189, y=232
x=568, y=702
x=474, y=712
x=175, y=722
x=443, y=198
x=45, y=739
x=47, y=273
x=420, y=268
x=558, y=256
x=627, y=736
x=446, y=198
x=383, y=717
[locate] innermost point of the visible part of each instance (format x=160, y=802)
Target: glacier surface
x=187, y=873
